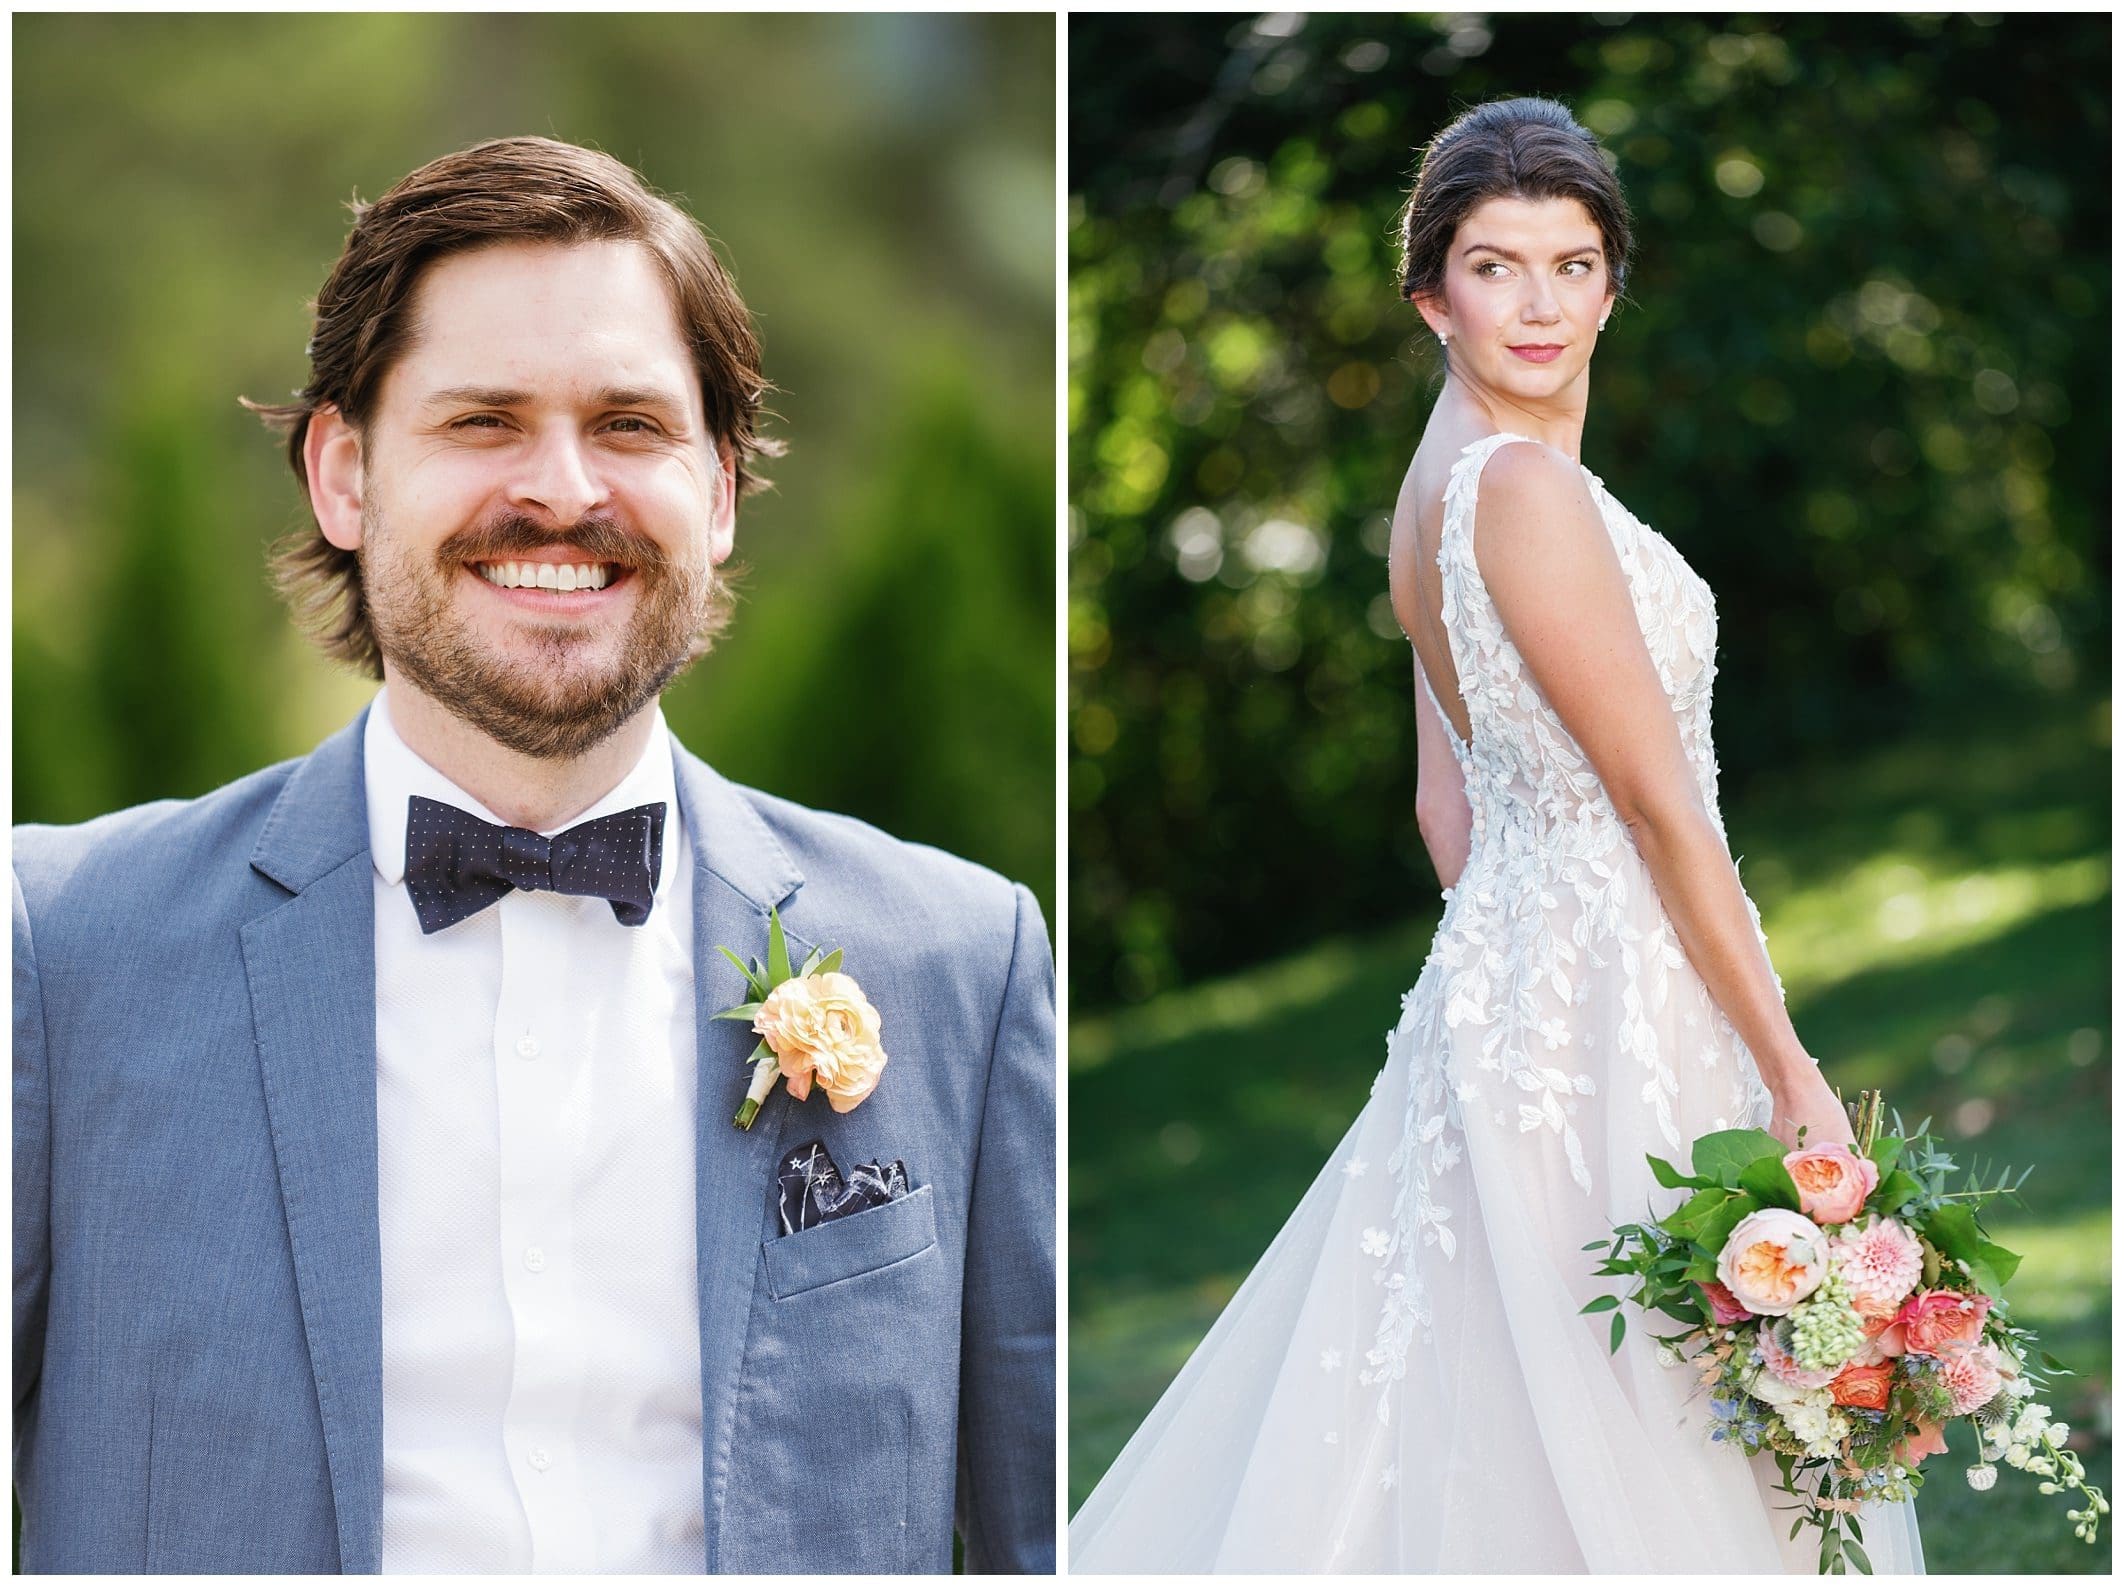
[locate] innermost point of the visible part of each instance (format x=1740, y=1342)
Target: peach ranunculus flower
x=1930, y=1438
x=1939, y=1319
x=1773, y=1260
x=1724, y=1308
x=1833, y=1181
x=822, y=1028
x=1863, y=1387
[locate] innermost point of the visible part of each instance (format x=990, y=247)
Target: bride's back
x=1413, y=578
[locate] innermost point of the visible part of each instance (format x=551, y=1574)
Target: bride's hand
x=1808, y=1100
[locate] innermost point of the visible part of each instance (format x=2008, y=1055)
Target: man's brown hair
x=506, y=190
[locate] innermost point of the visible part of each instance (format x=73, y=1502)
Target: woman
x=1406, y=1381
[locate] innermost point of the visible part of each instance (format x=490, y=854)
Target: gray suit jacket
x=198, y=1313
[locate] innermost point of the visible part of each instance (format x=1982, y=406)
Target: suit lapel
x=740, y=870
x=312, y=969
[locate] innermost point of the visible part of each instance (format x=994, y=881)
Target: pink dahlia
x=1879, y=1264
x=1971, y=1374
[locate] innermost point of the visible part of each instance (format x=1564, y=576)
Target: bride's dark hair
x=1509, y=148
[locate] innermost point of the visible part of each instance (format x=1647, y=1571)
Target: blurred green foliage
x=882, y=185
x=1860, y=379
x=1939, y=913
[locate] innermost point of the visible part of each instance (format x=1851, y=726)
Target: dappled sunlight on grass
x=1901, y=908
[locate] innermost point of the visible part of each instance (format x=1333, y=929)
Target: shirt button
x=527, y=1047
x=535, y=1258
x=540, y=1460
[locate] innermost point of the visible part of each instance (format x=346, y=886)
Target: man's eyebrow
x=504, y=397
x=639, y=397
x=475, y=396
x=1506, y=253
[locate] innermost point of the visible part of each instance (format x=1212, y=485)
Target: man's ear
x=722, y=524
x=331, y=462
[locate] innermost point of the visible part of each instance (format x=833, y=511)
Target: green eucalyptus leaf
x=1615, y=1335
x=1601, y=1303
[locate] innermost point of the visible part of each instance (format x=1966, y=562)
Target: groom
x=377, y=1202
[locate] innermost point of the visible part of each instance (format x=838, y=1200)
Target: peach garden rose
x=1941, y=1319
x=1773, y=1260
x=1833, y=1181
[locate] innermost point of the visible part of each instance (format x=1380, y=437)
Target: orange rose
x=1940, y=1319
x=1865, y=1388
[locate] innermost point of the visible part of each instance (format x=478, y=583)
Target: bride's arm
x=1552, y=573
x=1442, y=815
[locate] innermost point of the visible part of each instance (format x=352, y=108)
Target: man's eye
x=640, y=426
x=479, y=421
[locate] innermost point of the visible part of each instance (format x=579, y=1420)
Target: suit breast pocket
x=853, y=1246
x=849, y=1398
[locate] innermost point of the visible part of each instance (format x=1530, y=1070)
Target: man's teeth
x=545, y=575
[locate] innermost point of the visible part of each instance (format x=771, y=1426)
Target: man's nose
x=559, y=475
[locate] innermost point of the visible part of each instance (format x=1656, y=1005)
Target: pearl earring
x=1441, y=338
x=1604, y=324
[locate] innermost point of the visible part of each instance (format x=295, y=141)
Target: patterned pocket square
x=813, y=1192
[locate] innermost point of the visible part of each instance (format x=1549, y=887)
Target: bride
x=1405, y=1381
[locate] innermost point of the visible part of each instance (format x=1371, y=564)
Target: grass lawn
x=1939, y=911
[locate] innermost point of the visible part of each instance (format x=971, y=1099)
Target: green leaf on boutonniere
x=810, y=965
x=829, y=964
x=752, y=982
x=742, y=1011
x=777, y=948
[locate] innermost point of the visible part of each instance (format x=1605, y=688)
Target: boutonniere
x=814, y=1024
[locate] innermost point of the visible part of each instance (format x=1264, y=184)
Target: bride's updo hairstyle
x=1509, y=148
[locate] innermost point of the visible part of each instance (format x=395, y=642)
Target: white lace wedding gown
x=1405, y=1382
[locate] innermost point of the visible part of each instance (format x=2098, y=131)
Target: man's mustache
x=598, y=539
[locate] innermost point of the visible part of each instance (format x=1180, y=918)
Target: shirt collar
x=394, y=773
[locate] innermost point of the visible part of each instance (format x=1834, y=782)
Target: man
x=377, y=1201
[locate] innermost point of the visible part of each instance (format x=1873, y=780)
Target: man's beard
x=555, y=705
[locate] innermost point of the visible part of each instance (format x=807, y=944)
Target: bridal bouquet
x=1842, y=1307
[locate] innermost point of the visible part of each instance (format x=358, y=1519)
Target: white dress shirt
x=535, y=1102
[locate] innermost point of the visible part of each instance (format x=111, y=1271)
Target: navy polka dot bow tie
x=457, y=864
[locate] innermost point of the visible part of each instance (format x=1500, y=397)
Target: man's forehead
x=524, y=318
